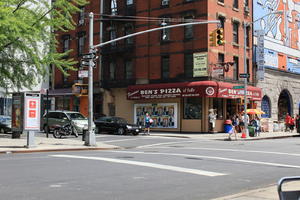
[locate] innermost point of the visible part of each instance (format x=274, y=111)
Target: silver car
x=62, y=117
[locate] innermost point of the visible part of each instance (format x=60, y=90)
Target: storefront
x=183, y=107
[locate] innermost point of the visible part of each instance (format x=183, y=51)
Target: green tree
x=28, y=46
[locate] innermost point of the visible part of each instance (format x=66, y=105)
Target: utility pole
x=90, y=138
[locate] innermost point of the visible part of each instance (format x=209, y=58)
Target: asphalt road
x=150, y=167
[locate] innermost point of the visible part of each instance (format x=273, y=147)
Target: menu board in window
x=164, y=115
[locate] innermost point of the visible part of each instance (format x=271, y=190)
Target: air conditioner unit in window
x=81, y=22
x=165, y=2
x=246, y=9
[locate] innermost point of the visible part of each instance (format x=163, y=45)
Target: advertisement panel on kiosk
x=26, y=109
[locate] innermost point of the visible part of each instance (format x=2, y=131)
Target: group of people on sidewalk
x=237, y=121
x=292, y=122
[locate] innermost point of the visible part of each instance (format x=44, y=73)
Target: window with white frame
x=113, y=7
x=112, y=71
x=188, y=30
x=113, y=35
x=235, y=68
x=81, y=41
x=66, y=43
x=129, y=2
x=235, y=32
x=128, y=69
x=81, y=16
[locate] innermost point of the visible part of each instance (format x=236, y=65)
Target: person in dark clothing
x=298, y=123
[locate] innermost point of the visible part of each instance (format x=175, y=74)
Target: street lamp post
x=245, y=66
x=90, y=138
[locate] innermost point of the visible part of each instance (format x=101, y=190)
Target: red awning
x=190, y=89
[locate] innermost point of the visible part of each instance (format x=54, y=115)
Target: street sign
x=83, y=73
x=84, y=63
x=244, y=75
x=239, y=87
x=88, y=56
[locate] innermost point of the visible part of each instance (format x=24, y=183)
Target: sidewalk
x=224, y=136
x=44, y=144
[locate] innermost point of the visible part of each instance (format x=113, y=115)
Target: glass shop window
x=192, y=108
x=218, y=106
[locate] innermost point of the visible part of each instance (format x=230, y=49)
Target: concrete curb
x=59, y=150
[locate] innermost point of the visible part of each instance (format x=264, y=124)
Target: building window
x=188, y=30
x=113, y=7
x=66, y=43
x=113, y=35
x=248, y=36
x=221, y=1
x=218, y=106
x=128, y=31
x=236, y=4
x=129, y=2
x=81, y=41
x=246, y=3
x=222, y=21
x=221, y=58
x=112, y=71
x=165, y=3
x=128, y=69
x=165, y=33
x=235, y=68
x=266, y=107
x=235, y=32
x=192, y=108
x=81, y=16
x=248, y=68
x=165, y=63
x=188, y=65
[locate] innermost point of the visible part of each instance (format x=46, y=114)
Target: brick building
x=174, y=74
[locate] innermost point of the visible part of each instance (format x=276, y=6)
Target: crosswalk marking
x=146, y=164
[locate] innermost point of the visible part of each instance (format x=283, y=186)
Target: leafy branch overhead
x=28, y=46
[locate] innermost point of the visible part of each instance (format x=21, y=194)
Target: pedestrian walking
x=148, y=122
x=258, y=126
x=235, y=124
x=287, y=122
x=292, y=124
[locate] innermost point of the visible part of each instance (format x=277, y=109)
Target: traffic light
x=220, y=37
x=212, y=38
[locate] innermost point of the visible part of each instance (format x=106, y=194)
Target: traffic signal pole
x=90, y=138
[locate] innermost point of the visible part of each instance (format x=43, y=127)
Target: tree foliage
x=28, y=46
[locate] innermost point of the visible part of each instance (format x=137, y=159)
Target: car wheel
x=56, y=134
x=135, y=133
x=121, y=131
x=2, y=130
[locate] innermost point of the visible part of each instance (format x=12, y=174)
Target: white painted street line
x=108, y=141
x=164, y=143
x=234, y=150
x=146, y=164
x=214, y=158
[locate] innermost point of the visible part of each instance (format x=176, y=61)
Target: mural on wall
x=282, y=32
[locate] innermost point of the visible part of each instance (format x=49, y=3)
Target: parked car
x=55, y=118
x=117, y=125
x=5, y=124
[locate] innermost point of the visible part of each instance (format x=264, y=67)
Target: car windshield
x=76, y=116
x=121, y=121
